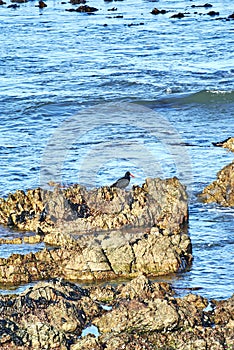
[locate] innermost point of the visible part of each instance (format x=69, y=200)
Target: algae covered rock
x=139, y=314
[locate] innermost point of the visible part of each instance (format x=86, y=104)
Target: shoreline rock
x=221, y=191
x=161, y=203
x=136, y=315
x=100, y=234
x=106, y=257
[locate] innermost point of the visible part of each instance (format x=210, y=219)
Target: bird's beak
x=132, y=175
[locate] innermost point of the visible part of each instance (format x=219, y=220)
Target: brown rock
x=157, y=202
x=136, y=316
x=143, y=315
x=229, y=142
x=221, y=190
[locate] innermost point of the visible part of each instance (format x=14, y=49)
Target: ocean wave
x=201, y=97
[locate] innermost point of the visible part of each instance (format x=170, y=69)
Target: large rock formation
x=104, y=256
x=137, y=315
x=100, y=234
x=157, y=202
x=221, y=190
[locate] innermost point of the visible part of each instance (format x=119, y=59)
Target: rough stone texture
x=221, y=191
x=140, y=314
x=156, y=202
x=100, y=234
x=106, y=257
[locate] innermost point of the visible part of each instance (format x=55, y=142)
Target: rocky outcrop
x=138, y=315
x=157, y=202
x=99, y=257
x=100, y=234
x=221, y=191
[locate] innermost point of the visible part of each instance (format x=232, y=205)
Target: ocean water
x=86, y=97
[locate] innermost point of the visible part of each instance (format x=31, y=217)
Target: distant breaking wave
x=201, y=97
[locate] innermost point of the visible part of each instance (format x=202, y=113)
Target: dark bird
x=123, y=181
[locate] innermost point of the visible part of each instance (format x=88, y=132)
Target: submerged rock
x=221, y=191
x=228, y=143
x=86, y=8
x=140, y=314
x=156, y=11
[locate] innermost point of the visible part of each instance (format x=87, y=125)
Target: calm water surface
x=85, y=97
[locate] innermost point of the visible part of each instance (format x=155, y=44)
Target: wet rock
x=13, y=6
x=213, y=13
x=143, y=315
x=107, y=257
x=156, y=11
x=205, y=5
x=229, y=142
x=86, y=8
x=77, y=2
x=178, y=15
x=2, y=2
x=221, y=191
x=41, y=4
x=100, y=233
x=232, y=17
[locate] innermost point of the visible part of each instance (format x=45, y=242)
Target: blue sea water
x=83, y=98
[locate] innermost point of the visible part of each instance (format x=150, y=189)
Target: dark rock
x=228, y=143
x=41, y=4
x=213, y=13
x=139, y=314
x=2, y=2
x=205, y=5
x=19, y=1
x=156, y=11
x=86, y=8
x=231, y=16
x=178, y=15
x=13, y=6
x=77, y=2
x=135, y=24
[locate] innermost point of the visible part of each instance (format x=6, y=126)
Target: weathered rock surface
x=137, y=315
x=156, y=202
x=221, y=191
x=102, y=257
x=100, y=234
